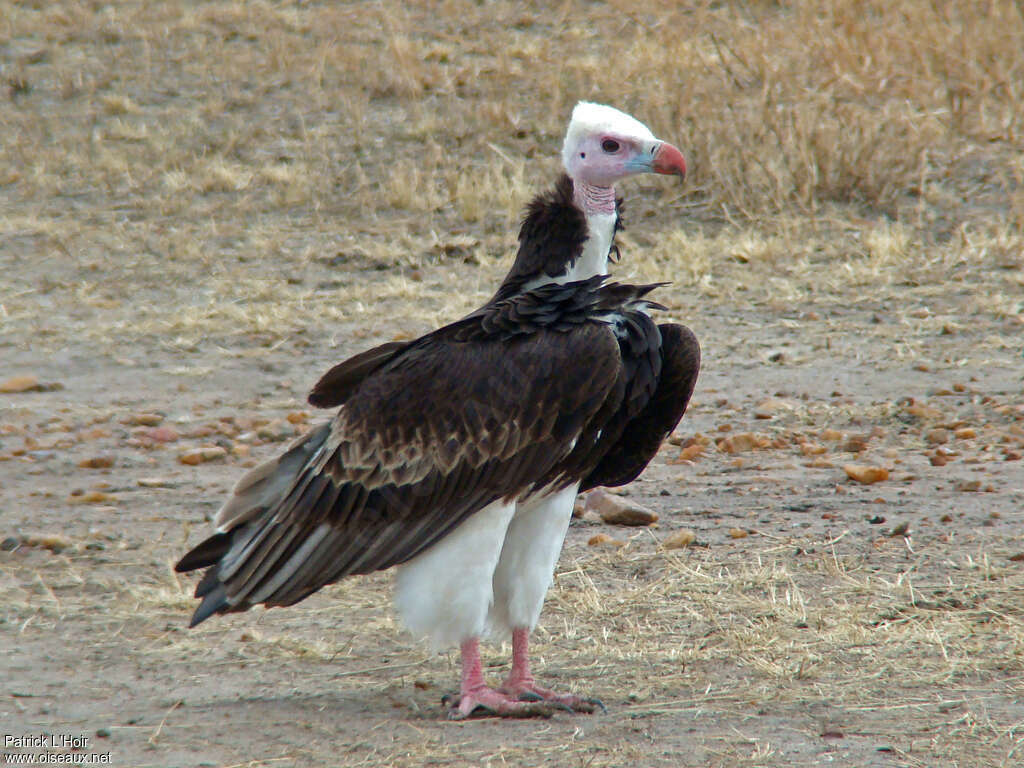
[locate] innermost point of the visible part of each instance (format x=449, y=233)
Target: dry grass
x=254, y=177
x=853, y=636
x=855, y=143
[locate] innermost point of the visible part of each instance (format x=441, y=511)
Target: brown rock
x=599, y=539
x=159, y=434
x=53, y=542
x=91, y=497
x=865, y=474
x=615, y=510
x=738, y=533
x=831, y=435
x=20, y=384
x=143, y=419
x=742, y=441
x=965, y=433
x=97, y=462
x=856, y=443
x=202, y=454
x=923, y=412
x=812, y=449
x=689, y=453
x=680, y=539
x=937, y=436
x=968, y=486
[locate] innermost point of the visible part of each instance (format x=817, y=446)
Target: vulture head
x=604, y=145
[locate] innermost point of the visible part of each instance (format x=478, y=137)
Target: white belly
x=444, y=594
x=526, y=568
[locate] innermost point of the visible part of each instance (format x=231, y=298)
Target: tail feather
x=216, y=601
x=205, y=554
x=258, y=493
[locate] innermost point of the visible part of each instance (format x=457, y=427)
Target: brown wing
x=435, y=434
x=335, y=386
x=643, y=433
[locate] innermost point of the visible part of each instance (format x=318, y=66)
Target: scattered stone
x=53, y=542
x=865, y=474
x=937, y=436
x=102, y=733
x=743, y=441
x=18, y=384
x=738, y=533
x=600, y=539
x=831, y=435
x=102, y=461
x=856, y=443
x=812, y=449
x=202, y=454
x=158, y=434
x=967, y=486
x=143, y=419
x=680, y=539
x=9, y=544
x=923, y=412
x=249, y=636
x=938, y=459
x=153, y=482
x=689, y=453
x=1018, y=558
x=298, y=417
x=772, y=407
x=91, y=497
x=965, y=433
x=276, y=431
x=615, y=510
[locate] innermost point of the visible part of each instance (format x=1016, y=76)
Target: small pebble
x=680, y=539
x=866, y=474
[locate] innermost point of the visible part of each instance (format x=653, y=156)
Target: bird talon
x=530, y=696
x=597, y=703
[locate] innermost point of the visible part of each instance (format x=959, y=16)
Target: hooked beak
x=668, y=160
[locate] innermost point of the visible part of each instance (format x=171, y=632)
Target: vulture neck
x=598, y=206
x=566, y=236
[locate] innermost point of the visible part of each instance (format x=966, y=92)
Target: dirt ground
x=186, y=248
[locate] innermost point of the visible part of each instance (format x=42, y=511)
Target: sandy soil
x=94, y=621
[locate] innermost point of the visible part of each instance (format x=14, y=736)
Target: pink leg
x=475, y=694
x=521, y=685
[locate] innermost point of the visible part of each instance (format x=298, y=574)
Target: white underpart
x=445, y=593
x=594, y=259
x=532, y=545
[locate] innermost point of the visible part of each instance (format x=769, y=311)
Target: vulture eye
x=610, y=145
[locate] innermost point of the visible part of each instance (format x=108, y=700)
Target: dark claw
x=530, y=696
x=597, y=703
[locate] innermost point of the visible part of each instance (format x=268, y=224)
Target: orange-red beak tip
x=669, y=160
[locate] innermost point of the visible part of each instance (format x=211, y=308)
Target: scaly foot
x=487, y=702
x=526, y=690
